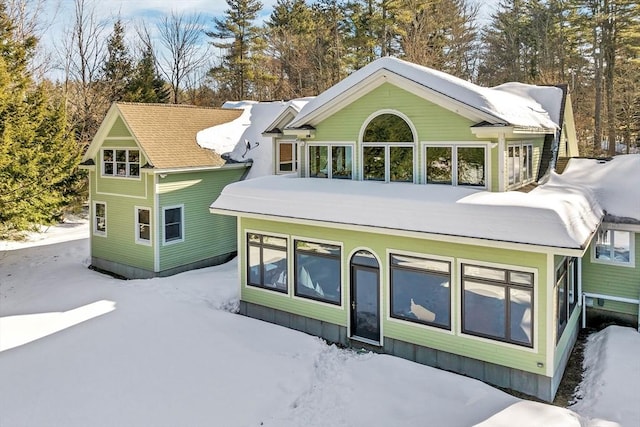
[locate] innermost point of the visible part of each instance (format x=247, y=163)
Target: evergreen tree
x=236, y=35
x=146, y=85
x=118, y=67
x=37, y=154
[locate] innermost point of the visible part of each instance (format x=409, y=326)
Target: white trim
x=381, y=286
x=622, y=227
x=535, y=304
x=521, y=182
x=525, y=247
x=342, y=278
x=454, y=145
x=501, y=162
x=182, y=225
x=294, y=154
x=452, y=292
x=146, y=183
x=136, y=223
x=94, y=228
x=550, y=315
x=632, y=248
x=127, y=162
x=158, y=171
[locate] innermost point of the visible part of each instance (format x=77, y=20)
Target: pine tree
x=145, y=84
x=118, y=67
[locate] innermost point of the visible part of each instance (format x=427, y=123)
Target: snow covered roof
x=563, y=216
x=242, y=138
x=615, y=184
x=517, y=105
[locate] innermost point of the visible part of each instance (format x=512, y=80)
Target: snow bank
x=242, y=138
x=507, y=106
x=608, y=392
x=554, y=216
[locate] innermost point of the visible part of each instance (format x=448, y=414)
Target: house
x=426, y=220
x=150, y=187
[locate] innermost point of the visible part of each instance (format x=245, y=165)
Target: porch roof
x=553, y=215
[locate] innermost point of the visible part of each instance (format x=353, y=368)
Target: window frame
x=136, y=212
x=262, y=246
x=94, y=216
x=387, y=159
x=339, y=258
x=329, y=146
x=507, y=284
x=114, y=163
x=424, y=257
x=611, y=261
x=567, y=277
x=294, y=155
x=454, y=146
x=525, y=163
x=180, y=239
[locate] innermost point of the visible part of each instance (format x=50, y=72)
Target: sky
x=80, y=348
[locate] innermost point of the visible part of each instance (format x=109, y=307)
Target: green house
x=150, y=187
x=424, y=219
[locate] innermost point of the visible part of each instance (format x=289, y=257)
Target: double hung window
x=497, y=304
x=173, y=221
x=267, y=262
x=456, y=165
x=287, y=161
x=566, y=292
x=614, y=247
x=420, y=290
x=520, y=164
x=143, y=225
x=100, y=218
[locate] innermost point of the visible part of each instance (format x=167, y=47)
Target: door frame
x=351, y=299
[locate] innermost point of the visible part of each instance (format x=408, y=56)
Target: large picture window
x=497, y=304
x=100, y=218
x=267, y=262
x=330, y=161
x=614, y=247
x=456, y=165
x=420, y=290
x=173, y=222
x=388, y=150
x=318, y=271
x=121, y=162
x=520, y=164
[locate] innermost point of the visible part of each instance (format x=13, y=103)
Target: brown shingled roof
x=167, y=133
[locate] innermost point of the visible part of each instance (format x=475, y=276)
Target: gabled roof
x=166, y=133
x=509, y=106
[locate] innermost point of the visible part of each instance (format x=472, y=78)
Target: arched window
x=388, y=149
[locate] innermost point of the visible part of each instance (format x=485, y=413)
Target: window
x=497, y=304
x=387, y=152
x=614, y=247
x=287, y=161
x=339, y=157
x=121, y=162
x=317, y=271
x=100, y=218
x=173, y=220
x=267, y=262
x=520, y=164
x=456, y=165
x=566, y=292
x=420, y=290
x=143, y=225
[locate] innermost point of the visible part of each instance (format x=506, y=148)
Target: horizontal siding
x=455, y=343
x=613, y=280
x=119, y=245
x=205, y=235
x=118, y=130
x=131, y=187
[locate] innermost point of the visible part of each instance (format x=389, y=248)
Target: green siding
x=119, y=245
x=119, y=129
x=132, y=187
x=205, y=235
x=507, y=355
x=613, y=280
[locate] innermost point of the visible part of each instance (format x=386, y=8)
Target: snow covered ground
x=78, y=348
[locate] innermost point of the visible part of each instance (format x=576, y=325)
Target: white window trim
x=96, y=232
x=182, y=226
x=536, y=304
x=454, y=159
x=244, y=265
x=387, y=156
x=294, y=153
x=632, y=249
x=329, y=146
x=137, y=226
x=521, y=181
x=115, y=175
